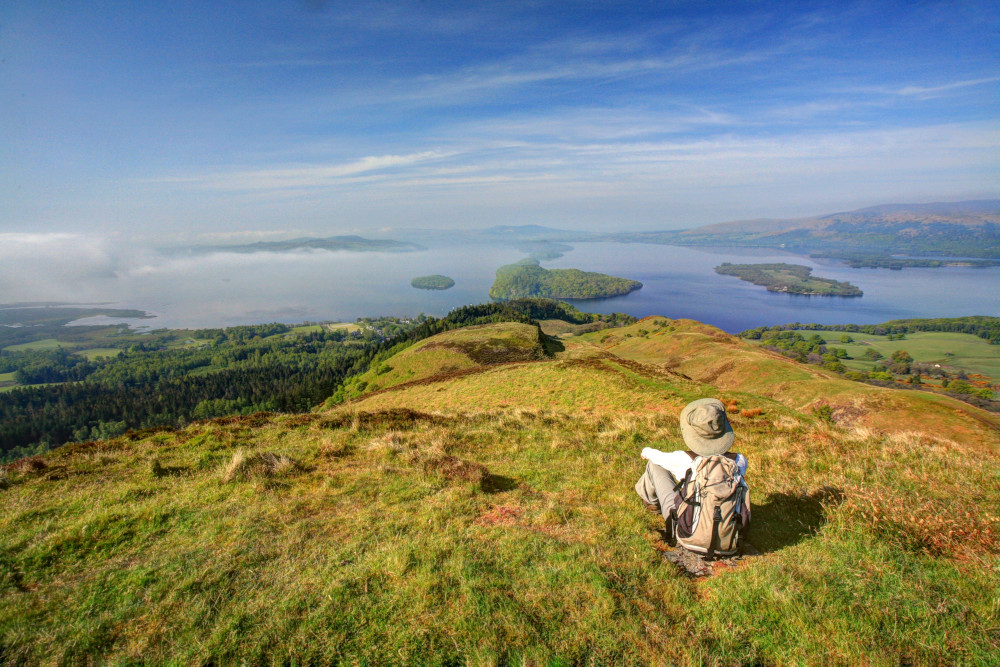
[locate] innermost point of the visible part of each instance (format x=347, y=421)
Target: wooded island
x=528, y=279
x=790, y=278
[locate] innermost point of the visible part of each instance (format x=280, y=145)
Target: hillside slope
x=709, y=355
x=450, y=353
x=480, y=512
x=959, y=229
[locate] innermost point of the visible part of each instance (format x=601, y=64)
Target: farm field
x=325, y=326
x=44, y=344
x=348, y=326
x=98, y=352
x=7, y=381
x=954, y=350
x=189, y=342
x=307, y=328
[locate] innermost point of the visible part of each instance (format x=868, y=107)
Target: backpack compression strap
x=716, y=520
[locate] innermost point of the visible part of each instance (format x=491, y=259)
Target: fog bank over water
x=226, y=288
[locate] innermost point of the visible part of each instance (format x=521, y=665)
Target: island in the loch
x=435, y=281
x=789, y=278
x=527, y=279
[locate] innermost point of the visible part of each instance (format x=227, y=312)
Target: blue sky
x=176, y=121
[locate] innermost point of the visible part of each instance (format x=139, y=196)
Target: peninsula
x=790, y=278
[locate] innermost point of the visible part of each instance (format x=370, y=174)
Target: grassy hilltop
x=469, y=500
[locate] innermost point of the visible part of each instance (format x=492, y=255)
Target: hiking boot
x=655, y=509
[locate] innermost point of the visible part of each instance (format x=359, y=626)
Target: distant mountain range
x=959, y=229
x=532, y=233
x=350, y=243
x=941, y=229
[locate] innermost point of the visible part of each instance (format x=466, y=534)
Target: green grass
x=98, y=352
x=44, y=344
x=968, y=353
x=308, y=328
x=492, y=536
x=489, y=518
x=6, y=378
x=190, y=342
x=457, y=350
x=346, y=326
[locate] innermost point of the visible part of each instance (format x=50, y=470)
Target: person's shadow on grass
x=785, y=519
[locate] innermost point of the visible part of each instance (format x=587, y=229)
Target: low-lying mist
x=225, y=288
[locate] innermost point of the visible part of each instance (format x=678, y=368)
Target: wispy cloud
x=933, y=91
x=516, y=154
x=282, y=178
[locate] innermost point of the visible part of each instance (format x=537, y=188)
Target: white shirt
x=679, y=462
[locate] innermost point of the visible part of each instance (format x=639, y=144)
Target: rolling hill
x=469, y=500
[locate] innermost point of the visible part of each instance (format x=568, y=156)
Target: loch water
x=225, y=289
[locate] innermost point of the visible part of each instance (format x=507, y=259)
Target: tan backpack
x=713, y=508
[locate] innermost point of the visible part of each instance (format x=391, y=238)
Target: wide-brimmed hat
x=706, y=428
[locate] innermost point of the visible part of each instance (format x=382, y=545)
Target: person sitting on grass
x=674, y=484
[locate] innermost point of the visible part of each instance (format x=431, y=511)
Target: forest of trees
x=244, y=369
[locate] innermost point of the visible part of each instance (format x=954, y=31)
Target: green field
x=349, y=326
x=190, y=342
x=952, y=350
x=307, y=328
x=98, y=352
x=44, y=344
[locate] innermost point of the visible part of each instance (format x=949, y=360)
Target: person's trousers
x=656, y=487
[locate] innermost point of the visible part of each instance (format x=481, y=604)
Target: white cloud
x=281, y=178
x=929, y=91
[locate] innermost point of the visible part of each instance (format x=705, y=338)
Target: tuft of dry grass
x=26, y=466
x=455, y=469
x=257, y=466
x=751, y=412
